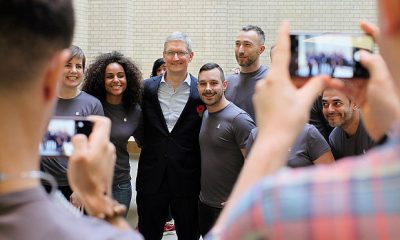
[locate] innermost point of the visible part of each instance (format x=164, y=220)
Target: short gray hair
x=179, y=36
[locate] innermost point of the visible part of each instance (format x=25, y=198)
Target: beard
x=345, y=118
x=245, y=62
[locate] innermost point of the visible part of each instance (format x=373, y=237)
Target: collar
x=187, y=79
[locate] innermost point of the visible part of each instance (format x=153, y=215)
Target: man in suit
x=169, y=164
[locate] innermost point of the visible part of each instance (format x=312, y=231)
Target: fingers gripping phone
x=57, y=139
x=333, y=54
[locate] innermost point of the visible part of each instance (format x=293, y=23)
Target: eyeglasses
x=179, y=53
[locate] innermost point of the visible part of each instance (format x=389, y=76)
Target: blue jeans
x=123, y=193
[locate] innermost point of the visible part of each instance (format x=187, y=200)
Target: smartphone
x=57, y=139
x=333, y=54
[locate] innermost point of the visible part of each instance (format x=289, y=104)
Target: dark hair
x=77, y=52
x=31, y=31
x=94, y=80
x=211, y=66
x=157, y=63
x=257, y=29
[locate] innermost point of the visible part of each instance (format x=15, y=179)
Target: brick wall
x=138, y=27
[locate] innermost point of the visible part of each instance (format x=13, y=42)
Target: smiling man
x=249, y=46
x=169, y=165
x=223, y=137
x=349, y=136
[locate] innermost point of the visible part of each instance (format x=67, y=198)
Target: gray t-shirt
x=307, y=148
x=82, y=105
x=124, y=125
x=221, y=137
x=32, y=214
x=343, y=145
x=240, y=89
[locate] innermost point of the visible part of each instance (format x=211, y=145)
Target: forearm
x=266, y=157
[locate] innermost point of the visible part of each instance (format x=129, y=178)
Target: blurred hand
x=91, y=168
x=76, y=201
x=376, y=96
x=279, y=105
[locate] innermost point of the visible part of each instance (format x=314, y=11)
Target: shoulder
x=150, y=81
x=87, y=97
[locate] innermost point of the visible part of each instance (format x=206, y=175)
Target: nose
x=330, y=108
x=176, y=56
x=208, y=86
x=115, y=78
x=73, y=68
x=241, y=48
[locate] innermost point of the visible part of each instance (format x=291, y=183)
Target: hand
x=91, y=168
x=76, y=201
x=281, y=107
x=376, y=96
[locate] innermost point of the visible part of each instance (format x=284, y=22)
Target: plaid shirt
x=358, y=198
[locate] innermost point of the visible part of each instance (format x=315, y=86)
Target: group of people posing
x=194, y=131
x=196, y=134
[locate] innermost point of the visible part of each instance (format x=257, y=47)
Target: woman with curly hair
x=116, y=81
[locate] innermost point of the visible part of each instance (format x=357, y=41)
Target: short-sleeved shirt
x=82, y=105
x=34, y=215
x=343, y=145
x=124, y=125
x=358, y=198
x=240, y=89
x=307, y=148
x=222, y=136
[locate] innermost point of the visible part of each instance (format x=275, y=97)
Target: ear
x=389, y=11
x=53, y=74
x=224, y=85
x=191, y=56
x=262, y=49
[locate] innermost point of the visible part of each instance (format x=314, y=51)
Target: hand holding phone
x=333, y=54
x=57, y=139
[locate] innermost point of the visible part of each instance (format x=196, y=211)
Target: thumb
x=369, y=61
x=80, y=143
x=310, y=91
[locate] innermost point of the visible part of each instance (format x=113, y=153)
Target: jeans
x=122, y=192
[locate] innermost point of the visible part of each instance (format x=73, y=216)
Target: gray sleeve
x=97, y=109
x=251, y=139
x=317, y=144
x=242, y=125
x=333, y=141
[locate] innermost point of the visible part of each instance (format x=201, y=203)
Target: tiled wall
x=138, y=27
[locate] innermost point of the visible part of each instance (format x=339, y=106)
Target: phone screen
x=333, y=54
x=57, y=139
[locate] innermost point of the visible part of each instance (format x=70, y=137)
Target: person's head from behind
x=115, y=79
x=34, y=37
x=338, y=109
x=74, y=68
x=211, y=83
x=177, y=52
x=249, y=45
x=158, y=67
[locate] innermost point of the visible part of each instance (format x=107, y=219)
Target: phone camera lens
x=80, y=124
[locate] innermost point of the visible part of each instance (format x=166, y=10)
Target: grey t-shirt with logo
x=240, y=89
x=221, y=137
x=344, y=145
x=124, y=125
x=307, y=148
x=81, y=106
